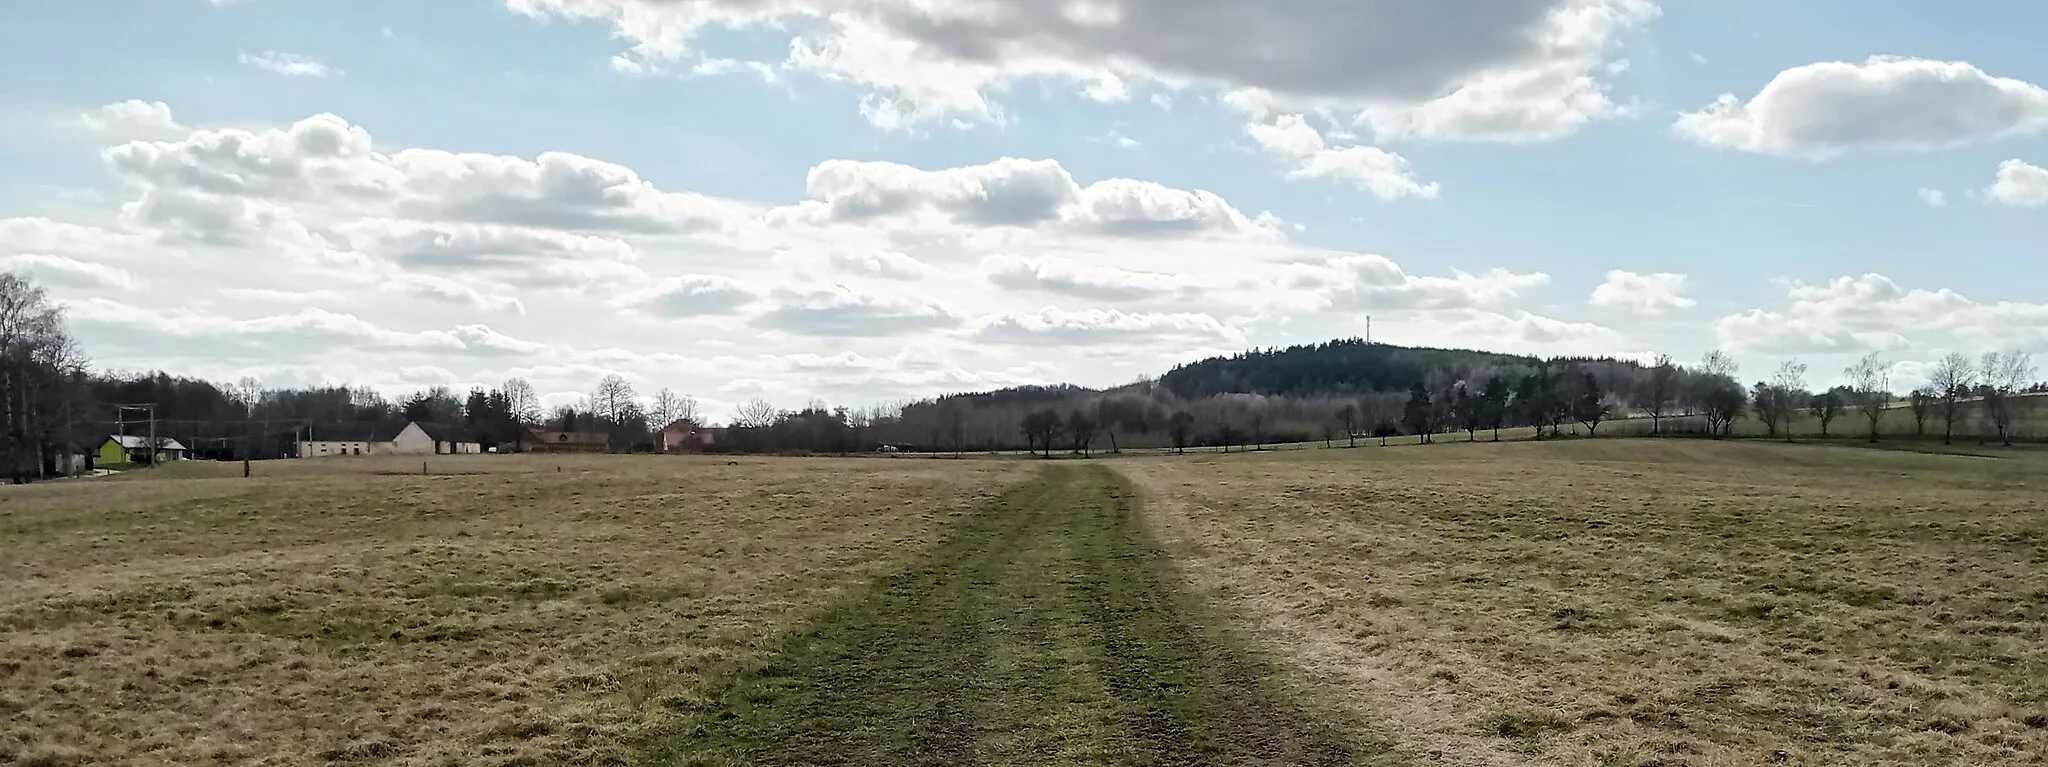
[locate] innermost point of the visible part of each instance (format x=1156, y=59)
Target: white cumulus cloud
x=1886, y=102
x=1655, y=293
x=2019, y=184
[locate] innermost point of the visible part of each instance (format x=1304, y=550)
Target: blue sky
x=912, y=260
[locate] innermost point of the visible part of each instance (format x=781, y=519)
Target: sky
x=861, y=201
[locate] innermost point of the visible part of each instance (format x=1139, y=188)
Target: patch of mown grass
x=1046, y=629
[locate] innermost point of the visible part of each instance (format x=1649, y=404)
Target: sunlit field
x=1639, y=601
x=1577, y=602
x=535, y=611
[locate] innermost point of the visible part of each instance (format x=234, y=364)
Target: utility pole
x=121, y=427
x=1368, y=330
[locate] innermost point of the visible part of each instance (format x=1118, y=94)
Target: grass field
x=1584, y=602
x=1634, y=602
x=326, y=612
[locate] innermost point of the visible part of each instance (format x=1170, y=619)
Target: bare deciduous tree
x=1348, y=417
x=2005, y=375
x=756, y=413
x=955, y=424
x=1870, y=384
x=42, y=392
x=1420, y=412
x=665, y=407
x=1718, y=363
x=1042, y=429
x=1081, y=430
x=1589, y=403
x=1789, y=387
x=521, y=400
x=1722, y=402
x=247, y=392
x=612, y=401
x=1952, y=380
x=1116, y=412
x=1921, y=404
x=1494, y=403
x=1716, y=370
x=1226, y=434
x=1764, y=400
x=1828, y=405
x=1660, y=393
x=1179, y=427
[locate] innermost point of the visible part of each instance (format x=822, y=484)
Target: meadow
x=500, y=611
x=1597, y=602
x=1639, y=602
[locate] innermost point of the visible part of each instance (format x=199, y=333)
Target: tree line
x=1545, y=395
x=52, y=405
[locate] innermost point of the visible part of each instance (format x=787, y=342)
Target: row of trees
x=1550, y=394
x=503, y=415
x=44, y=398
x=51, y=406
x=1993, y=384
x=197, y=412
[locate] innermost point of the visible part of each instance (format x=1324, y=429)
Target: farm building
x=684, y=434
x=332, y=439
x=414, y=438
x=567, y=442
x=425, y=438
x=134, y=448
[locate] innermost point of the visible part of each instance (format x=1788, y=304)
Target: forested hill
x=1349, y=366
x=1022, y=396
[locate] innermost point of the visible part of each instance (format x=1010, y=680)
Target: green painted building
x=132, y=448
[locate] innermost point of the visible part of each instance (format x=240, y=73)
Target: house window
x=359, y=451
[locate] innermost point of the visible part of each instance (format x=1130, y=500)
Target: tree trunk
x=1111, y=433
x=1656, y=425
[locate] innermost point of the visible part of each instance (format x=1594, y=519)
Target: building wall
x=111, y=452
x=461, y=448
x=412, y=441
x=322, y=448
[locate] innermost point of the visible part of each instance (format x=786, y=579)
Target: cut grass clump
x=1527, y=726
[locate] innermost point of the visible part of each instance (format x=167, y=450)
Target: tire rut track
x=1048, y=605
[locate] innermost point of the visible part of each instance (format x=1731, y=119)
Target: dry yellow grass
x=1638, y=602
x=499, y=612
